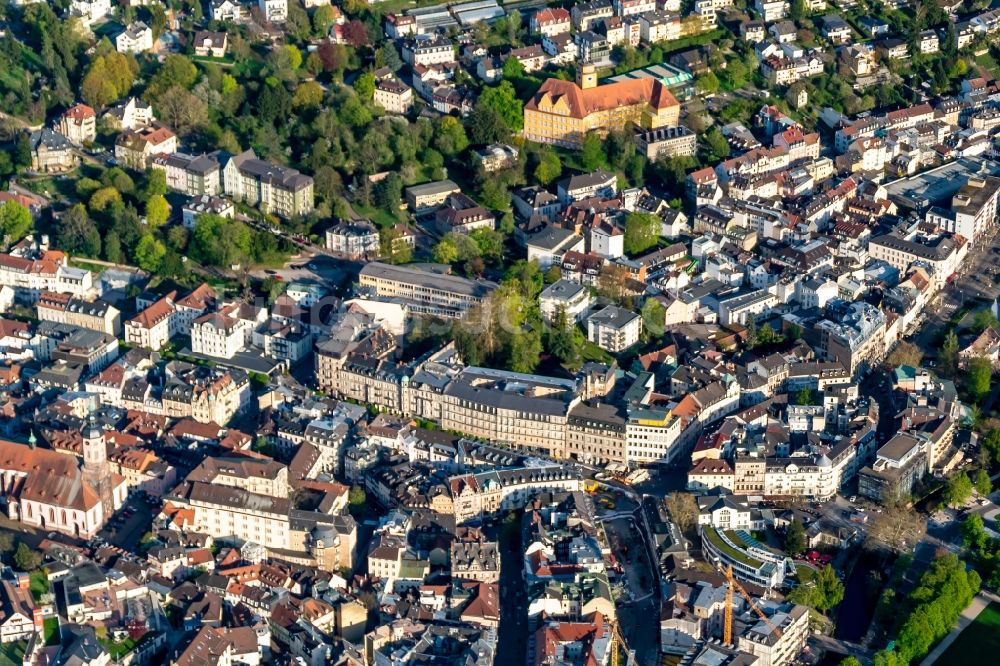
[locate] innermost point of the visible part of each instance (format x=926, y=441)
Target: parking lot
x=126, y=527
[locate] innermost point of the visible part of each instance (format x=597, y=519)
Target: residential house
x=208, y=44
x=136, y=148
x=78, y=124
x=51, y=152
x=136, y=38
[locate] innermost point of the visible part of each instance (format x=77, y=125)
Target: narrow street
x=512, y=636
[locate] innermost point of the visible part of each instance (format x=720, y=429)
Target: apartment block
x=270, y=187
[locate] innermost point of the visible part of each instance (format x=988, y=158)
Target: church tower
x=586, y=76
x=95, y=466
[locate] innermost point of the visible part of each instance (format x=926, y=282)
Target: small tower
x=95, y=452
x=96, y=472
x=586, y=76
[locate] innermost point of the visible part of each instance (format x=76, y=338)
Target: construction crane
x=727, y=629
x=618, y=642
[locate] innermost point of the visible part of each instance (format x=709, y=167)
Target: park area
x=979, y=643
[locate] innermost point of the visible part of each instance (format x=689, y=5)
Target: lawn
x=117, y=649
x=39, y=584
x=979, y=643
x=50, y=630
x=12, y=654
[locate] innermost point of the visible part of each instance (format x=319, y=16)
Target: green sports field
x=978, y=644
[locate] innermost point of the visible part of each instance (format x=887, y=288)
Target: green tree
x=642, y=231
x=562, y=342
x=549, y=167
x=984, y=319
x=486, y=126
x=322, y=20
x=850, y=661
x=716, y=145
x=489, y=242
x=356, y=499
x=104, y=199
x=26, y=559
x=22, y=151
x=307, y=95
x=979, y=377
x=113, y=249
x=796, y=13
x=445, y=252
x=592, y=152
x=156, y=182
x=948, y=355
x=957, y=490
x=364, y=85
x=388, y=192
x=15, y=221
x=805, y=396
x=653, y=317
x=76, y=233
x=820, y=589
x=503, y=100
x=393, y=248
x=707, y=83
x=157, y=211
x=991, y=444
x=387, y=56
x=176, y=70
x=149, y=253
x=513, y=69
x=525, y=350
x=994, y=582
x=974, y=535
x=450, y=137
x=795, y=538
x=983, y=483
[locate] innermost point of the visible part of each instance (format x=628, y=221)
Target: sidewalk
x=968, y=616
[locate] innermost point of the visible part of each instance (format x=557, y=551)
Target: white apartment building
x=653, y=436
x=153, y=327
x=275, y=11
x=728, y=512
x=632, y=7
x=355, y=240
x=428, y=50
x=90, y=11
x=772, y=10
x=973, y=209
x=270, y=187
x=130, y=115
x=78, y=124
x=30, y=274
x=194, y=175
x=772, y=648
x=943, y=254
x=614, y=328
x=226, y=10
x=215, y=334
x=136, y=38
x=747, y=307
x=226, y=512
x=394, y=96
x=571, y=297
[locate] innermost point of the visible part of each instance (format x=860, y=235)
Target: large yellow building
x=563, y=112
